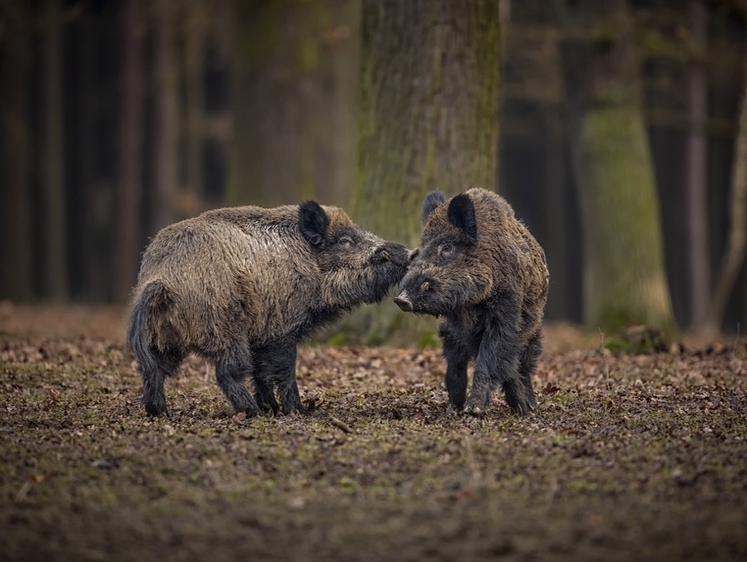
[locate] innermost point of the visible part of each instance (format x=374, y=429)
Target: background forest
x=615, y=128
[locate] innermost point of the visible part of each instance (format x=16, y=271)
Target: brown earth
x=627, y=458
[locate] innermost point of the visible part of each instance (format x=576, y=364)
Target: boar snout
x=403, y=301
x=392, y=252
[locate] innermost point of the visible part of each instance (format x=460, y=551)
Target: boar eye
x=446, y=248
x=426, y=286
x=345, y=241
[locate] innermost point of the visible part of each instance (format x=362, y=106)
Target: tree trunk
x=428, y=120
x=129, y=188
x=93, y=276
x=55, y=228
x=624, y=280
x=697, y=170
x=167, y=130
x=294, y=101
x=429, y=108
x=737, y=242
x=16, y=253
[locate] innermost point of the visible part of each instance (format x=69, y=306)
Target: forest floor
x=627, y=457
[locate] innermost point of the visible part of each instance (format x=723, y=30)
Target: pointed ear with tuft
x=461, y=214
x=312, y=222
x=432, y=200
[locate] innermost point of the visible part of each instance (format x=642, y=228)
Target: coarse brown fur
x=242, y=286
x=480, y=268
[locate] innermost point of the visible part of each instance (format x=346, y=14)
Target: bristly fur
x=461, y=214
x=481, y=270
x=432, y=200
x=242, y=286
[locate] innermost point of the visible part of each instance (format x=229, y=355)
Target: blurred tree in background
x=616, y=124
x=16, y=251
x=294, y=98
x=624, y=280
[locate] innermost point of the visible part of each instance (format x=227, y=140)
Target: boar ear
x=462, y=215
x=432, y=200
x=313, y=222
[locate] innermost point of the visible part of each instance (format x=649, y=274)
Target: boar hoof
x=300, y=409
x=153, y=410
x=268, y=407
x=296, y=409
x=522, y=409
x=475, y=410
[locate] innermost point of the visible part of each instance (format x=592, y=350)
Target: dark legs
x=457, y=355
x=503, y=362
x=155, y=366
x=272, y=367
x=264, y=395
x=231, y=368
x=528, y=363
x=276, y=368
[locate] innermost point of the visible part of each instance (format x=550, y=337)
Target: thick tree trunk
x=428, y=120
x=737, y=241
x=429, y=108
x=129, y=189
x=16, y=253
x=697, y=170
x=55, y=227
x=294, y=101
x=624, y=281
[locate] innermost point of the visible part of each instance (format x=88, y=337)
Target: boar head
x=449, y=270
x=356, y=265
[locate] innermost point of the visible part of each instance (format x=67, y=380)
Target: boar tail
x=153, y=302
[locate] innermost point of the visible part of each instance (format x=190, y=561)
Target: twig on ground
x=339, y=424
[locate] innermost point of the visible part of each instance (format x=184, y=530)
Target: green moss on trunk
x=625, y=281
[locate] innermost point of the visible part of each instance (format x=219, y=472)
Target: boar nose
x=393, y=252
x=403, y=301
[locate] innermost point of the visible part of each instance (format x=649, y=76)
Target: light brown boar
x=242, y=286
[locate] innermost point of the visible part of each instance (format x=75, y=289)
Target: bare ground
x=627, y=457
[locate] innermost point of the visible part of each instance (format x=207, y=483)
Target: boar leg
x=285, y=375
x=528, y=363
x=264, y=395
x=154, y=368
x=231, y=368
x=497, y=361
x=276, y=364
x=265, y=365
x=456, y=353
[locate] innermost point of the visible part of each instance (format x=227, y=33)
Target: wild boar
x=242, y=287
x=481, y=270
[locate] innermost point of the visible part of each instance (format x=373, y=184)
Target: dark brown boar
x=480, y=268
x=242, y=286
